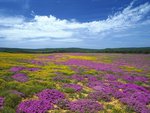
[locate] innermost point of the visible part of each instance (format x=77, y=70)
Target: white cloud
x=47, y=27
x=10, y=21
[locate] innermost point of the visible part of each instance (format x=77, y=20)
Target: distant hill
x=144, y=50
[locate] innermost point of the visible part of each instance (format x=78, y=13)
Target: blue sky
x=74, y=23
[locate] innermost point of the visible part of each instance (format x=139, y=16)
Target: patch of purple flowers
x=93, y=65
x=1, y=102
x=110, y=77
x=94, y=83
x=85, y=106
x=91, y=78
x=99, y=95
x=130, y=78
x=138, y=106
x=16, y=69
x=136, y=97
x=37, y=62
x=76, y=87
x=51, y=95
x=32, y=69
x=77, y=77
x=34, y=106
x=131, y=88
x=20, y=77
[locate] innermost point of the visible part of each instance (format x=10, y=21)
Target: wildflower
x=17, y=69
x=84, y=106
x=1, y=102
x=20, y=77
x=76, y=87
x=34, y=106
x=51, y=95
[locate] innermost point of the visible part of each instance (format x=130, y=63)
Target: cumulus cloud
x=63, y=30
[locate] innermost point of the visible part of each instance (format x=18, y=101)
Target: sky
x=74, y=23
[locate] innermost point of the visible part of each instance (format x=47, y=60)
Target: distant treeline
x=145, y=50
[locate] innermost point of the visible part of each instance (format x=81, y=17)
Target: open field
x=74, y=83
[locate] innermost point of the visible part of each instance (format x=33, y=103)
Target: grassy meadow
x=74, y=83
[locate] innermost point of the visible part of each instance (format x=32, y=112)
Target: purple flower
x=110, y=77
x=85, y=106
x=130, y=88
x=34, y=106
x=136, y=105
x=99, y=95
x=20, y=77
x=94, y=83
x=136, y=97
x=141, y=97
x=118, y=94
x=76, y=87
x=16, y=69
x=51, y=95
x=93, y=65
x=91, y=78
x=77, y=77
x=1, y=102
x=32, y=69
x=130, y=78
x=37, y=62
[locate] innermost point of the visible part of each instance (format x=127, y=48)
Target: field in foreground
x=74, y=83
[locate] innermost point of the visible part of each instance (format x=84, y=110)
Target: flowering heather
x=93, y=65
x=130, y=88
x=76, y=87
x=32, y=69
x=136, y=97
x=100, y=86
x=114, y=84
x=34, y=106
x=94, y=83
x=119, y=81
x=51, y=57
x=1, y=102
x=36, y=62
x=51, y=95
x=16, y=69
x=91, y=78
x=110, y=77
x=138, y=106
x=85, y=106
x=20, y=77
x=99, y=95
x=130, y=78
x=77, y=77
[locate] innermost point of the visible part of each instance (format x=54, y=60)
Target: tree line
x=142, y=50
